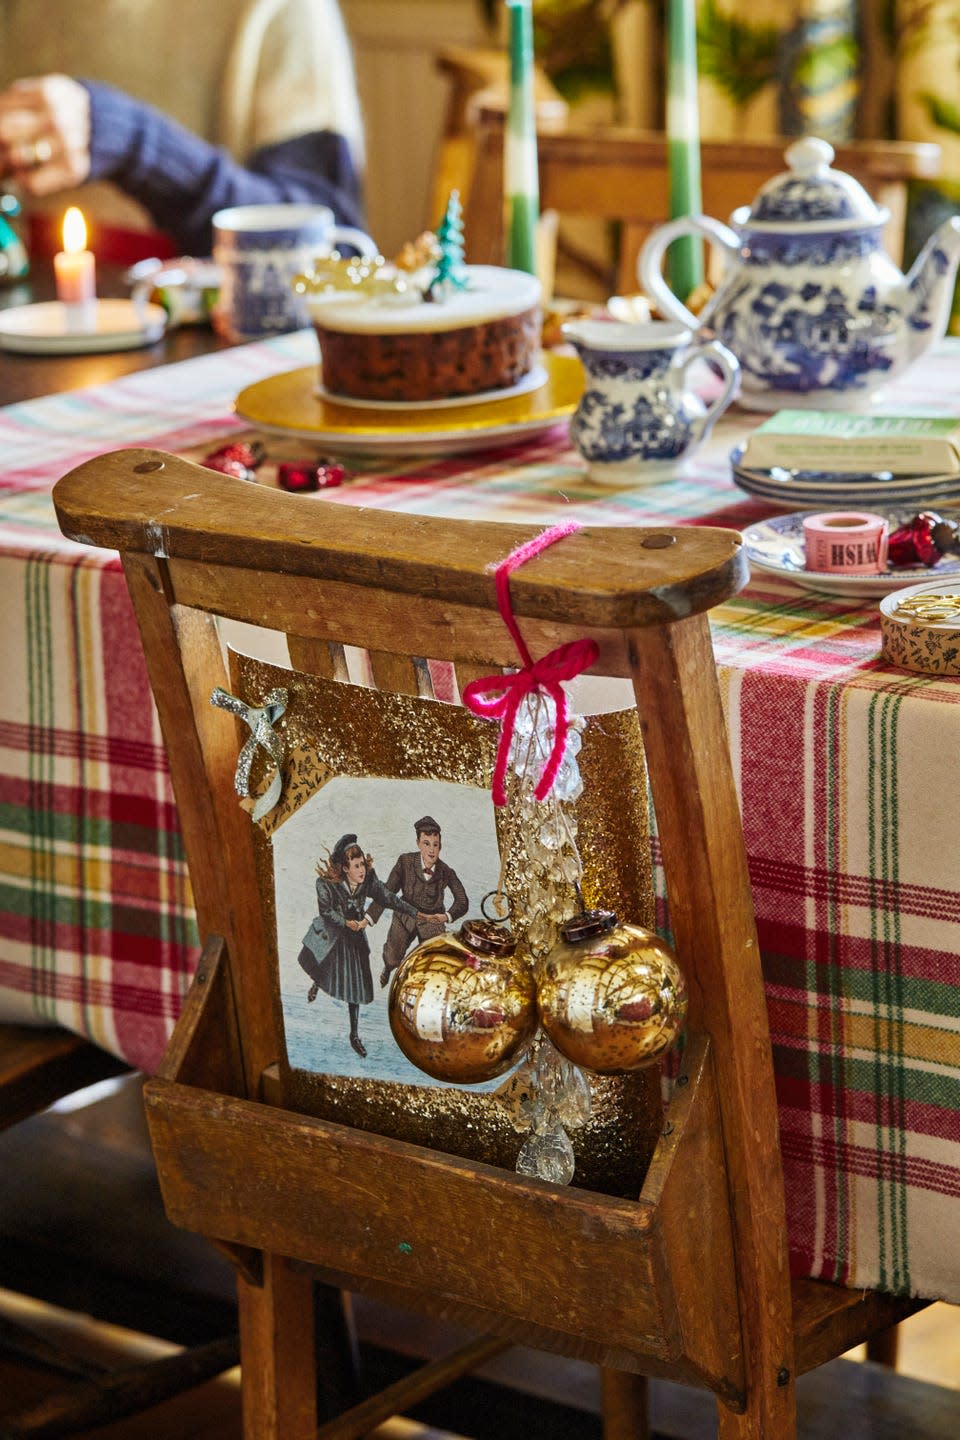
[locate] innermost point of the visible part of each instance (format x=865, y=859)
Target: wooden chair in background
x=621, y=176
x=38, y=1066
x=479, y=79
x=688, y=1280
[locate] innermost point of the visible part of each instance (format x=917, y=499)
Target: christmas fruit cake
x=428, y=333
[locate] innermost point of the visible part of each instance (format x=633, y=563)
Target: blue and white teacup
x=258, y=249
x=639, y=416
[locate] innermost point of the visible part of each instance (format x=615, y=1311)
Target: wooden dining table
x=24, y=377
x=847, y=767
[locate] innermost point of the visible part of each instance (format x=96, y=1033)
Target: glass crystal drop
x=570, y=869
x=574, y=742
x=574, y=1107
x=568, y=784
x=527, y=1159
x=524, y=722
x=548, y=1156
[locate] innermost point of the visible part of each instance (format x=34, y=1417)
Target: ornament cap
x=588, y=923
x=487, y=937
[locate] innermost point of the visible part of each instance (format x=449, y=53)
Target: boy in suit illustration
x=424, y=881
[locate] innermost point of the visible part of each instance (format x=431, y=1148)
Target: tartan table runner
x=848, y=773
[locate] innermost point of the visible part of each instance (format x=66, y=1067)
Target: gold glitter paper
x=332, y=729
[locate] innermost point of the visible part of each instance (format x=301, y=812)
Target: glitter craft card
x=371, y=763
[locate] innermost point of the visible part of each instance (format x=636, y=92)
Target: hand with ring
x=45, y=134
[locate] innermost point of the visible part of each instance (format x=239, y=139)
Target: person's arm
x=388, y=900
x=182, y=180
x=460, y=902
x=393, y=885
x=329, y=912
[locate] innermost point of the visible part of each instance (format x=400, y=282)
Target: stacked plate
x=825, y=490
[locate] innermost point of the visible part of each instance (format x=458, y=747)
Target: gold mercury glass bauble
x=463, y=1007
x=611, y=997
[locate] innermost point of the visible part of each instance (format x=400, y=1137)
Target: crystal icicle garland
x=547, y=1095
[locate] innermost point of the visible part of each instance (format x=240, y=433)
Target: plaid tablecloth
x=849, y=774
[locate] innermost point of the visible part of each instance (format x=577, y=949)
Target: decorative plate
x=118, y=325
x=288, y=404
x=776, y=547
x=796, y=489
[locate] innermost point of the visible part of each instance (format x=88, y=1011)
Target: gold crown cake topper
x=366, y=275
x=371, y=275
x=440, y=251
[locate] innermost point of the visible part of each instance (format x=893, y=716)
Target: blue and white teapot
x=811, y=305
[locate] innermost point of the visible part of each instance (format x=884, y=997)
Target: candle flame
x=74, y=231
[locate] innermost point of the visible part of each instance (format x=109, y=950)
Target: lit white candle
x=74, y=270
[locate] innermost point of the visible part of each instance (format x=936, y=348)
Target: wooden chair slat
x=381, y=620
x=394, y=672
x=316, y=656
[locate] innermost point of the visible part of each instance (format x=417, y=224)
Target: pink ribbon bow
x=499, y=697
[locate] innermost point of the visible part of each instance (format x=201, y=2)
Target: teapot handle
x=650, y=261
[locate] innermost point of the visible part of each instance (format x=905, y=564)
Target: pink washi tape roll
x=853, y=542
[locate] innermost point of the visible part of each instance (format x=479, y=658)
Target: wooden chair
x=41, y=1064
x=689, y=1279
x=479, y=79
x=621, y=175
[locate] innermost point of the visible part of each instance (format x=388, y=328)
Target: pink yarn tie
x=499, y=697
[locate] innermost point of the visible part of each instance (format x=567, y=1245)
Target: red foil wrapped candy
x=923, y=541
x=238, y=459
x=302, y=476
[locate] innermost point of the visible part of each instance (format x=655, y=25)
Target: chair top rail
x=879, y=159
x=148, y=502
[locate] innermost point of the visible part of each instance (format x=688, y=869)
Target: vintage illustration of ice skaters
x=335, y=952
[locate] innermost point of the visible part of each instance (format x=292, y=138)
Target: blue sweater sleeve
x=182, y=180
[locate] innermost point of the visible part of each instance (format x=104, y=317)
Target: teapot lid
x=812, y=195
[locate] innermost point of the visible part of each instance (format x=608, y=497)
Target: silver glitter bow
x=261, y=720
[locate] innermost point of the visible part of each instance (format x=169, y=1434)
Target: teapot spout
x=929, y=288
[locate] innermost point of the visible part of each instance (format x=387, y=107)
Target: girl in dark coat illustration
x=335, y=951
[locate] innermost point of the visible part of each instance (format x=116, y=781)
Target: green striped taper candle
x=521, y=184
x=685, y=258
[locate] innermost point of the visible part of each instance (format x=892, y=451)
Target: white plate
x=929, y=497
x=804, y=489
x=117, y=325
x=532, y=381
x=776, y=547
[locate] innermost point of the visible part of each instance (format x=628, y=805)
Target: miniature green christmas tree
x=450, y=274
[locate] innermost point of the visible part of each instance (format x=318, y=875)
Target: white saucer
x=776, y=547
x=531, y=381
x=812, y=489
x=117, y=325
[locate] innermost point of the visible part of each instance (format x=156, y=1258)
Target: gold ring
x=33, y=153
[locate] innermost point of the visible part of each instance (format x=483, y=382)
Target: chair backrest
x=196, y=545
x=479, y=79
x=622, y=175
